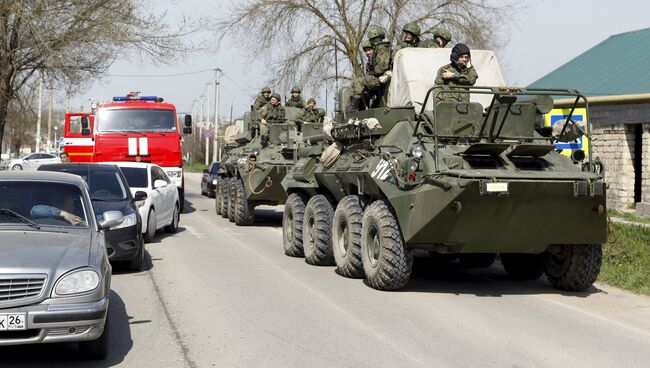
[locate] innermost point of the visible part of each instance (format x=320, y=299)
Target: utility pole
x=49, y=119
x=217, y=86
x=40, y=108
x=207, y=128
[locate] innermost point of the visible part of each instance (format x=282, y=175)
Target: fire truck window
x=139, y=120
x=75, y=125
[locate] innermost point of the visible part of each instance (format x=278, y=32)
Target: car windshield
x=136, y=176
x=105, y=183
x=215, y=168
x=136, y=120
x=41, y=203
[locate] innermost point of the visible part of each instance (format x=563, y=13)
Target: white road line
x=194, y=232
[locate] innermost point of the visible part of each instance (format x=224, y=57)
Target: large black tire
x=151, y=226
x=521, y=266
x=573, y=267
x=232, y=199
x=317, y=231
x=218, y=197
x=294, y=212
x=226, y=197
x=181, y=198
x=244, y=209
x=346, y=236
x=176, y=217
x=137, y=263
x=476, y=260
x=387, y=262
x=96, y=349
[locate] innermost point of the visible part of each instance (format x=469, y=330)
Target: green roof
x=617, y=66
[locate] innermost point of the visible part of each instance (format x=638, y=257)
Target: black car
x=109, y=191
x=209, y=179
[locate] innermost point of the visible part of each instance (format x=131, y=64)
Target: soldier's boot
x=264, y=141
x=355, y=104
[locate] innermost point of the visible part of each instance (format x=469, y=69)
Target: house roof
x=617, y=66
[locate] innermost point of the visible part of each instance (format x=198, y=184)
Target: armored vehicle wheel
x=218, y=197
x=346, y=236
x=225, y=197
x=387, y=262
x=232, y=199
x=520, y=266
x=244, y=209
x=317, y=231
x=573, y=267
x=294, y=211
x=477, y=260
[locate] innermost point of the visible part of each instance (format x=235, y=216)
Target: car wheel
x=97, y=349
x=317, y=231
x=225, y=197
x=573, y=267
x=346, y=236
x=218, y=197
x=16, y=167
x=173, y=226
x=151, y=226
x=244, y=208
x=137, y=263
x=232, y=199
x=294, y=211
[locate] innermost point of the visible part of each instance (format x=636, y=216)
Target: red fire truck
x=131, y=128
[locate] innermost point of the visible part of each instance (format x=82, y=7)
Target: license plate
x=496, y=187
x=12, y=321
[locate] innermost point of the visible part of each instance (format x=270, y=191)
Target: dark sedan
x=109, y=191
x=209, y=180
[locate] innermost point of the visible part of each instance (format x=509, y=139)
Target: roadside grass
x=626, y=262
x=629, y=217
x=195, y=167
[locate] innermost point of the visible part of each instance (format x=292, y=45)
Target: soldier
x=458, y=73
x=410, y=36
x=309, y=114
x=381, y=68
x=272, y=113
x=369, y=51
x=295, y=100
x=263, y=98
x=441, y=37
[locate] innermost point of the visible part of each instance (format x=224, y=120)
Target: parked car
x=55, y=276
x=161, y=208
x=109, y=191
x=209, y=180
x=31, y=161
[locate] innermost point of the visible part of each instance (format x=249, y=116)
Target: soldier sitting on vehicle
x=369, y=52
x=272, y=113
x=441, y=37
x=371, y=85
x=410, y=37
x=295, y=100
x=309, y=114
x=458, y=73
x=262, y=99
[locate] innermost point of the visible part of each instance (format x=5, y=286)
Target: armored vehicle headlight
x=77, y=282
x=578, y=155
x=414, y=165
x=417, y=151
x=255, y=151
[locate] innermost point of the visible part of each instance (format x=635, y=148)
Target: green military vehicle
x=467, y=179
x=252, y=173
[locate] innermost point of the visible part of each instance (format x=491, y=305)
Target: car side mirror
x=159, y=184
x=188, y=120
x=187, y=130
x=111, y=218
x=140, y=195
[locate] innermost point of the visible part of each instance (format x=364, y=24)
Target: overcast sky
x=543, y=37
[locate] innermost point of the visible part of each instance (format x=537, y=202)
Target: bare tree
x=300, y=37
x=72, y=40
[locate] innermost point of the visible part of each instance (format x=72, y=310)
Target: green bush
x=626, y=261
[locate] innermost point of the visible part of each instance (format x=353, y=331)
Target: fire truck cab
x=130, y=128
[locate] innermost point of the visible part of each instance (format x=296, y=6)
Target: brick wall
x=645, y=184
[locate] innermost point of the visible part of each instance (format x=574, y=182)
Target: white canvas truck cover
x=415, y=70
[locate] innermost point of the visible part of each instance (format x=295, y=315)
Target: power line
x=157, y=75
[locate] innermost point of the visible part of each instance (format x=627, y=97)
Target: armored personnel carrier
x=252, y=172
x=470, y=179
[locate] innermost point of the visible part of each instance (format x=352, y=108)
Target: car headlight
x=77, y=282
x=174, y=174
x=129, y=220
x=417, y=151
x=214, y=181
x=414, y=165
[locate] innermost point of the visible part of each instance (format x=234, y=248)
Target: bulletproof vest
x=274, y=114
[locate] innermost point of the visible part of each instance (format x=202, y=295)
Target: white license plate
x=12, y=321
x=496, y=187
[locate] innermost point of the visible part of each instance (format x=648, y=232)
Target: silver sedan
x=54, y=273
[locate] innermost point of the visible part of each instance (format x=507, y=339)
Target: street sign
x=579, y=114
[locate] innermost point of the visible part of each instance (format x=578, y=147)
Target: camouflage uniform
x=462, y=77
x=260, y=101
x=442, y=33
x=382, y=61
x=296, y=102
x=272, y=114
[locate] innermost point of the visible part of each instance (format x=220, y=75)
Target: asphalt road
x=217, y=295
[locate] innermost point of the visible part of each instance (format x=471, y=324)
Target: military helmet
x=412, y=28
x=459, y=50
x=442, y=33
x=311, y=100
x=266, y=89
x=276, y=96
x=376, y=31
x=296, y=89
x=366, y=45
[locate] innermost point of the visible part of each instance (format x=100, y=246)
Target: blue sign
x=578, y=143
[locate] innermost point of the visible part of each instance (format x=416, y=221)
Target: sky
x=541, y=37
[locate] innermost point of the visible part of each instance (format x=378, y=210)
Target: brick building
x=615, y=77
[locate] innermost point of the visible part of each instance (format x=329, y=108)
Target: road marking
x=194, y=232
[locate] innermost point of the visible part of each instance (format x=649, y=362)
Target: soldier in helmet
x=369, y=52
x=441, y=37
x=410, y=36
x=459, y=73
x=272, y=113
x=263, y=99
x=295, y=100
x=381, y=68
x=309, y=114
